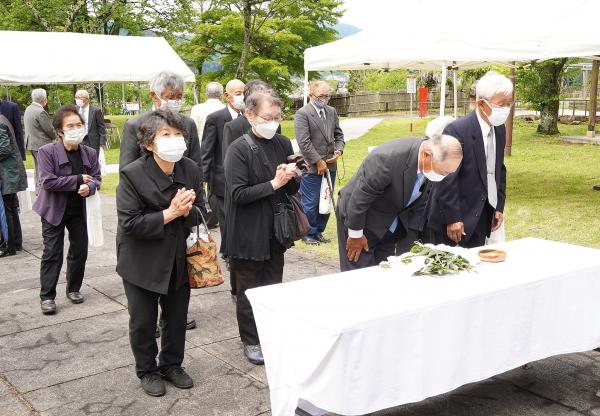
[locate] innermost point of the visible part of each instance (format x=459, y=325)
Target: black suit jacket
x=148, y=249
x=236, y=129
x=11, y=111
x=381, y=189
x=212, y=150
x=130, y=149
x=96, y=133
x=462, y=196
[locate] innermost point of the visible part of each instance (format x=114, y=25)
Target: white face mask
x=238, y=102
x=432, y=175
x=79, y=102
x=173, y=105
x=266, y=130
x=499, y=115
x=170, y=148
x=74, y=136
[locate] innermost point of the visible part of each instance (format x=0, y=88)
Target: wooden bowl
x=492, y=255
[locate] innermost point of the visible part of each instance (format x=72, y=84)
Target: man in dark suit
x=379, y=208
x=166, y=91
x=11, y=111
x=468, y=205
x=321, y=142
x=94, y=121
x=212, y=145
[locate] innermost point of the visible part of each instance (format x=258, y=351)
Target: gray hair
x=155, y=120
x=493, y=83
x=444, y=146
x=256, y=99
x=437, y=125
x=84, y=93
x=214, y=90
x=38, y=94
x=166, y=79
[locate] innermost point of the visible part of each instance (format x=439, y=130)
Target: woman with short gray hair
x=159, y=200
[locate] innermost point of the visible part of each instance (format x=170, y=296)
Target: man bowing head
x=380, y=209
x=468, y=205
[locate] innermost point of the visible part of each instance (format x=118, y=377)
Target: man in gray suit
x=38, y=126
x=382, y=204
x=94, y=121
x=321, y=142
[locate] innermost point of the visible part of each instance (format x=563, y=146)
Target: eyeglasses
x=269, y=119
x=322, y=96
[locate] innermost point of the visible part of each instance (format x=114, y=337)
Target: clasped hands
x=285, y=172
x=182, y=202
x=84, y=188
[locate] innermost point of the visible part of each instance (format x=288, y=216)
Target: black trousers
x=52, y=258
x=143, y=311
x=476, y=239
x=250, y=274
x=11, y=209
x=378, y=251
x=213, y=218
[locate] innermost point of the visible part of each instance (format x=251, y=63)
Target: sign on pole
x=411, y=89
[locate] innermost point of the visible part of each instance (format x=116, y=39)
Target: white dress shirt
x=201, y=111
x=234, y=113
x=85, y=113
x=321, y=114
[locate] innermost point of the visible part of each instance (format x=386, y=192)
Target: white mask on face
x=173, y=105
x=79, y=102
x=267, y=130
x=499, y=114
x=74, y=136
x=432, y=175
x=170, y=148
x=238, y=102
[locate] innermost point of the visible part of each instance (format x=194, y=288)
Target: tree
x=260, y=39
x=539, y=84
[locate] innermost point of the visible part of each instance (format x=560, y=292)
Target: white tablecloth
x=356, y=342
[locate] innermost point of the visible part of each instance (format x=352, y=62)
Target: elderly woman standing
x=12, y=180
x=68, y=173
x=159, y=200
x=253, y=187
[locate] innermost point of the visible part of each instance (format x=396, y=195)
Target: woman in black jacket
x=158, y=201
x=252, y=188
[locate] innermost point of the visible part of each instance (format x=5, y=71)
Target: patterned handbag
x=202, y=258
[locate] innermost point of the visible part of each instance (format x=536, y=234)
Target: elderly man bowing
x=376, y=209
x=321, y=142
x=467, y=206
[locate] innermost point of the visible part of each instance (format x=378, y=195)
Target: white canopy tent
x=69, y=58
x=454, y=34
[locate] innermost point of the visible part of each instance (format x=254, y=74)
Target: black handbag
x=284, y=220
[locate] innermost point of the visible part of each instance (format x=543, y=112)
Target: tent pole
x=454, y=69
x=123, y=97
x=195, y=94
x=511, y=116
x=443, y=89
x=100, y=94
x=591, y=131
x=305, y=87
x=139, y=98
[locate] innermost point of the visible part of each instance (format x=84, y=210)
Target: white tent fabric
x=424, y=34
x=66, y=58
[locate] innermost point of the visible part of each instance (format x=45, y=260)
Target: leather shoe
x=75, y=297
x=254, y=354
x=311, y=241
x=153, y=384
x=19, y=247
x=190, y=324
x=321, y=238
x=48, y=307
x=178, y=377
x=8, y=253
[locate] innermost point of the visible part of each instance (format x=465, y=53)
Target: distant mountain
x=344, y=29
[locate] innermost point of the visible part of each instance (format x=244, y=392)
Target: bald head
x=233, y=89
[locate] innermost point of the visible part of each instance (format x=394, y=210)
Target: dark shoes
x=48, y=307
x=6, y=253
x=75, y=297
x=153, y=384
x=311, y=241
x=321, y=238
x=190, y=324
x=254, y=354
x=178, y=377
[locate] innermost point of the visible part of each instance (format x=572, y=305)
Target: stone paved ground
x=78, y=362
